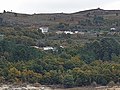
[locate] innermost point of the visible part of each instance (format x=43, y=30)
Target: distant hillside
x=83, y=19
x=98, y=11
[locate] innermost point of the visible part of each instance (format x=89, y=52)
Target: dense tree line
x=16, y=52
x=103, y=49
x=70, y=67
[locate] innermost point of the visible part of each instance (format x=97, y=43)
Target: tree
x=111, y=84
x=14, y=75
x=15, y=14
x=94, y=84
x=101, y=79
x=117, y=14
x=1, y=21
x=98, y=20
x=4, y=11
x=68, y=81
x=30, y=76
x=100, y=50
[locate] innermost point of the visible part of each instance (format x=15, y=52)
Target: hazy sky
x=56, y=6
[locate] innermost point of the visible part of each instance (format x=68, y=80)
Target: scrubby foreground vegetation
x=96, y=62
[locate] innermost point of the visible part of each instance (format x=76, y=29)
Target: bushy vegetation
x=96, y=62
x=84, y=59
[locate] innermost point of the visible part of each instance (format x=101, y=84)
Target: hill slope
x=83, y=19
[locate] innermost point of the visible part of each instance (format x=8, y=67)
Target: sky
x=56, y=6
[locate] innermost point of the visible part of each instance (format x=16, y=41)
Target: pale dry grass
x=92, y=88
x=79, y=88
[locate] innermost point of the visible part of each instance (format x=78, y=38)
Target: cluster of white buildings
x=47, y=48
x=70, y=32
x=43, y=48
x=112, y=31
x=45, y=30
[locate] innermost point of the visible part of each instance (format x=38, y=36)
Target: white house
x=44, y=29
x=61, y=47
x=112, y=29
x=76, y=32
x=35, y=47
x=48, y=48
x=68, y=32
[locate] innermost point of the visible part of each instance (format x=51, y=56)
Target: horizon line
x=60, y=12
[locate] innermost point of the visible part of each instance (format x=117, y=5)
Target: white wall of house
x=44, y=29
x=35, y=47
x=68, y=32
x=48, y=48
x=76, y=32
x=112, y=28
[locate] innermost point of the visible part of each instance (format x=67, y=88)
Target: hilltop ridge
x=83, y=19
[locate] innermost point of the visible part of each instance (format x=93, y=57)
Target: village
x=94, y=34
